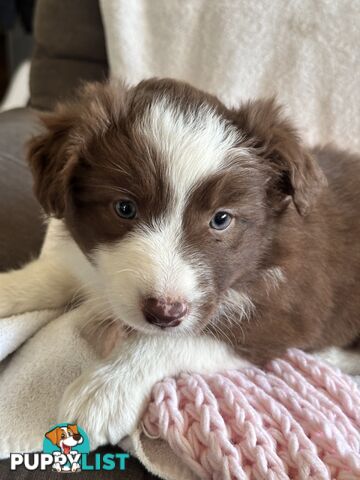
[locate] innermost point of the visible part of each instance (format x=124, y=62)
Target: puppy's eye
x=221, y=220
x=125, y=209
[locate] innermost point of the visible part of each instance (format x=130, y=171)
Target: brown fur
x=286, y=216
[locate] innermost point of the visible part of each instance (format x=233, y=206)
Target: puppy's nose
x=77, y=436
x=164, y=312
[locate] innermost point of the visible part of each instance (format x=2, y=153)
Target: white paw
x=7, y=297
x=347, y=360
x=104, y=404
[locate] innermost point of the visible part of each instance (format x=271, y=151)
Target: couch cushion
x=21, y=229
x=69, y=49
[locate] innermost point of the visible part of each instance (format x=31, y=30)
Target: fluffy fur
x=285, y=273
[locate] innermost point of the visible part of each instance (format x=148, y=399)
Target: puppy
x=213, y=235
x=65, y=438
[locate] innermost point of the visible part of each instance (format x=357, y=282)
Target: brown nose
x=77, y=436
x=164, y=312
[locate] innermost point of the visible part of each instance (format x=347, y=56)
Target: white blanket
x=304, y=51
x=33, y=379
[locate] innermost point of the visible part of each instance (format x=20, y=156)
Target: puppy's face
x=171, y=196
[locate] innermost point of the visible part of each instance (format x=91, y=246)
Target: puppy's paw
x=348, y=360
x=8, y=305
x=85, y=402
x=16, y=296
x=104, y=403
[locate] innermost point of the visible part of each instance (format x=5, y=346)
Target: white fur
x=108, y=400
x=191, y=145
x=347, y=360
x=147, y=263
x=49, y=281
x=273, y=278
x=237, y=302
x=234, y=308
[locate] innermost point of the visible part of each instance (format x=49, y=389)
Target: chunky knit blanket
x=298, y=419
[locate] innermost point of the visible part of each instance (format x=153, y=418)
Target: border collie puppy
x=211, y=235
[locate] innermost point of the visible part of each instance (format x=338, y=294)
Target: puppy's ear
x=54, y=154
x=53, y=435
x=51, y=158
x=293, y=170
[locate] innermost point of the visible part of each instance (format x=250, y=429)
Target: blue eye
x=125, y=209
x=221, y=220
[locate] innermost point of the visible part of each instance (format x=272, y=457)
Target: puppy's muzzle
x=164, y=312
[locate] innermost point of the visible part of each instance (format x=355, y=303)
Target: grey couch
x=69, y=49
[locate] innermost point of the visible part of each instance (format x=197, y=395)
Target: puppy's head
x=171, y=195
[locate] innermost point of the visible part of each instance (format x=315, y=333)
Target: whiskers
x=234, y=309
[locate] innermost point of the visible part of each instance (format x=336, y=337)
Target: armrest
x=21, y=229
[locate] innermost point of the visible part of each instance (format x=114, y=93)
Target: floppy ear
x=54, y=154
x=50, y=158
x=293, y=170
x=53, y=435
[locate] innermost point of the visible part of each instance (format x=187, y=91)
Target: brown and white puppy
x=210, y=232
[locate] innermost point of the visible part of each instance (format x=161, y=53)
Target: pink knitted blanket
x=298, y=419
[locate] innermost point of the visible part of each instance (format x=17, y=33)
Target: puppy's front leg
x=109, y=399
x=347, y=360
x=47, y=282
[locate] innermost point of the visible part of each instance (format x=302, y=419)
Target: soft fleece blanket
x=304, y=51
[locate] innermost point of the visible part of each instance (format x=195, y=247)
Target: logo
x=66, y=443
x=65, y=450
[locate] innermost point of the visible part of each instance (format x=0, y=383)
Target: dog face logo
x=65, y=442
x=65, y=437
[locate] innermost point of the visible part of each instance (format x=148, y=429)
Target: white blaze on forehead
x=191, y=144
x=150, y=265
